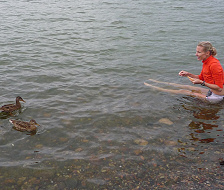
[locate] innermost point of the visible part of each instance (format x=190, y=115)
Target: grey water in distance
x=81, y=66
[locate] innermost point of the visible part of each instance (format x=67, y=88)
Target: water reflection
x=205, y=114
x=203, y=128
x=4, y=115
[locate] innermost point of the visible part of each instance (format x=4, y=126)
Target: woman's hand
x=183, y=73
x=196, y=81
x=187, y=74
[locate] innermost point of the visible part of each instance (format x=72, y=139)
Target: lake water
x=80, y=66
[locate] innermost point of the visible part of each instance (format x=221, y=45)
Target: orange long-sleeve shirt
x=212, y=72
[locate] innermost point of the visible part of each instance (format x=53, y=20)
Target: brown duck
x=25, y=126
x=9, y=108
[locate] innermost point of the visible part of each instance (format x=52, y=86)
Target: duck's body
x=9, y=108
x=24, y=126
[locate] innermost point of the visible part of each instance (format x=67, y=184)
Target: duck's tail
x=11, y=121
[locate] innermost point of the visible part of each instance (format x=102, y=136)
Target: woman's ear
x=208, y=53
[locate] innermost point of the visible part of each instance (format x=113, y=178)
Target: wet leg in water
x=184, y=89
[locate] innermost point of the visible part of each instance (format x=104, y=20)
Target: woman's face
x=201, y=54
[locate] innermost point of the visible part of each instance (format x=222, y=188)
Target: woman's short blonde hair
x=207, y=46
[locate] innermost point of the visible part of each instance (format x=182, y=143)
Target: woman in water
x=211, y=76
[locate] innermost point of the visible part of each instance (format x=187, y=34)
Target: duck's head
x=32, y=121
x=18, y=98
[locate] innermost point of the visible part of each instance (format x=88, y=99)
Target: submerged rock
x=141, y=142
x=165, y=121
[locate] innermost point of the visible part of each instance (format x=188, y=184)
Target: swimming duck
x=12, y=107
x=25, y=126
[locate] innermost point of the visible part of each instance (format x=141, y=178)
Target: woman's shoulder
x=214, y=59
x=215, y=65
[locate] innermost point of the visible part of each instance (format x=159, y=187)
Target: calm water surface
x=80, y=67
